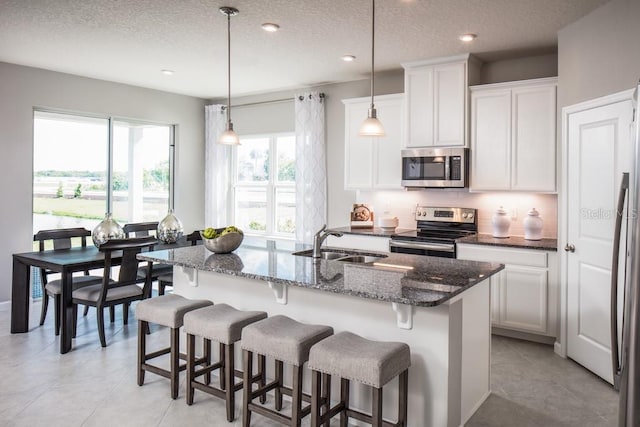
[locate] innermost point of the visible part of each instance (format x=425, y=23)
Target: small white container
x=388, y=223
x=501, y=223
x=533, y=225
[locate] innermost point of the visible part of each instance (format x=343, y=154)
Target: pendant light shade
x=229, y=137
x=372, y=126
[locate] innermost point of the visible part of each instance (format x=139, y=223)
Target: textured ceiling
x=130, y=41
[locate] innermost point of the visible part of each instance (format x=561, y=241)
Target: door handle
x=569, y=248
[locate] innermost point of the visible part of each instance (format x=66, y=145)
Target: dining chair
x=143, y=229
x=61, y=239
x=125, y=289
x=167, y=279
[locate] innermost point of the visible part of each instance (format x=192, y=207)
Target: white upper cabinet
x=373, y=163
x=513, y=136
x=436, y=100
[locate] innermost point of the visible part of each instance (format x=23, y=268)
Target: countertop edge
x=516, y=242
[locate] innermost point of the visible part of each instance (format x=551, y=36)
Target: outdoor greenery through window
x=264, y=185
x=72, y=167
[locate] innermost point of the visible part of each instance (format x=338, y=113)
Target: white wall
x=599, y=54
x=23, y=88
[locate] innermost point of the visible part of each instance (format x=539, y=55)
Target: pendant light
x=372, y=126
x=229, y=137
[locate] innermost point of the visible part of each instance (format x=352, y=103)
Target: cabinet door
x=450, y=91
x=491, y=140
x=388, y=160
x=534, y=139
x=358, y=168
x=419, y=101
x=523, y=297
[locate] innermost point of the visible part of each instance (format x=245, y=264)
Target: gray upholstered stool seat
x=223, y=324
x=355, y=358
x=283, y=338
x=165, y=310
x=286, y=340
x=352, y=357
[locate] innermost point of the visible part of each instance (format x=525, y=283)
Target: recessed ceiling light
x=348, y=58
x=167, y=72
x=467, y=37
x=270, y=27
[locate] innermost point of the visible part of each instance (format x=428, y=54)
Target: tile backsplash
x=403, y=203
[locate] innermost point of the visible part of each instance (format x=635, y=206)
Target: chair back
x=130, y=248
x=194, y=238
x=140, y=229
x=61, y=239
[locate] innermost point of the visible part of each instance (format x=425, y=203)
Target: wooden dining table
x=66, y=262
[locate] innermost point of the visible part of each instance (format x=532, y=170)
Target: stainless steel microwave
x=435, y=167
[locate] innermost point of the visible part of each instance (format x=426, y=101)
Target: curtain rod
x=273, y=101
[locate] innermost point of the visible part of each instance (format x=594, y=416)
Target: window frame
x=271, y=186
x=111, y=120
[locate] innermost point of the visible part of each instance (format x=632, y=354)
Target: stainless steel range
x=437, y=230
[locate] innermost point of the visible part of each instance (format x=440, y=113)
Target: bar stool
x=169, y=311
x=285, y=340
x=223, y=324
x=352, y=357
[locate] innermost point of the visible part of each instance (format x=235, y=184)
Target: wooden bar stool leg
x=206, y=344
x=296, y=397
x=230, y=385
x=247, y=357
x=279, y=375
x=191, y=368
x=175, y=360
x=315, y=398
x=222, y=371
x=344, y=397
x=326, y=395
x=142, y=349
x=262, y=370
x=57, y=301
x=403, y=391
x=112, y=313
x=125, y=313
x=376, y=412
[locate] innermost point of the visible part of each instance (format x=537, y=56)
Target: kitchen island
x=439, y=307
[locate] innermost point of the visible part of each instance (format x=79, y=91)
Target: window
x=86, y=166
x=264, y=185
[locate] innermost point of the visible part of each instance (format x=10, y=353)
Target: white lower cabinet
x=524, y=295
x=359, y=241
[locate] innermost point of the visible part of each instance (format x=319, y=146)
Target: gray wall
x=599, y=54
x=23, y=88
x=508, y=70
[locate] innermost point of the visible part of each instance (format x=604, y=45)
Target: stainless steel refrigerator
x=625, y=350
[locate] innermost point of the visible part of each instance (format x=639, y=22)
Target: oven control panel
x=460, y=215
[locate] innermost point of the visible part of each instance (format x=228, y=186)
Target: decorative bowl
x=223, y=244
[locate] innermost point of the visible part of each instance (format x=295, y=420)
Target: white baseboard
x=557, y=349
x=476, y=407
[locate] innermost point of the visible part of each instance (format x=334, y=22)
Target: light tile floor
x=92, y=386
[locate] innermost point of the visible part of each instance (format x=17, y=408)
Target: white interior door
x=598, y=152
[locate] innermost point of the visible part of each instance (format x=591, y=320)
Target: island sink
x=350, y=256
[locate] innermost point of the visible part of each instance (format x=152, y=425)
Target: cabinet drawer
x=524, y=257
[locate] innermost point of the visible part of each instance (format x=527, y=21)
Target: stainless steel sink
x=351, y=256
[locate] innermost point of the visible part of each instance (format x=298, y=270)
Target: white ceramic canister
x=533, y=225
x=501, y=223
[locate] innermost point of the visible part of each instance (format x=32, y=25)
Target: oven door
x=437, y=249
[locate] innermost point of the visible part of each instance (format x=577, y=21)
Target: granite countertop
x=375, y=231
x=401, y=278
x=511, y=242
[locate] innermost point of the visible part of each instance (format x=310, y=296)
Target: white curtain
x=217, y=169
x=311, y=165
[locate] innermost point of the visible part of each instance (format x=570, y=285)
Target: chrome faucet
x=320, y=237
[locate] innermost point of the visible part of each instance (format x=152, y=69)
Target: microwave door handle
x=615, y=359
x=447, y=168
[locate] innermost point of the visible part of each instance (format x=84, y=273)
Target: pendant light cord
x=228, y=70
x=373, y=32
